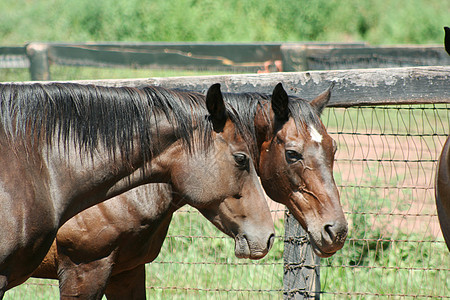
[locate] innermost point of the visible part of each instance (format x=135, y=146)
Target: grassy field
x=390, y=21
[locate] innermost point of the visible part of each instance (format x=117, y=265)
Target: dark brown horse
x=104, y=248
x=65, y=147
x=442, y=188
x=442, y=191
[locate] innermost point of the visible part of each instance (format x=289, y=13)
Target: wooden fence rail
x=330, y=57
x=352, y=87
x=219, y=56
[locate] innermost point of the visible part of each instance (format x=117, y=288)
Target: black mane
x=91, y=115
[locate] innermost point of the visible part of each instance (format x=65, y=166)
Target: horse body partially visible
x=66, y=147
x=26, y=194
x=98, y=252
x=106, y=246
x=442, y=190
x=442, y=184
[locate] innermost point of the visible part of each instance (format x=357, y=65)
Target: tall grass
x=386, y=22
x=390, y=21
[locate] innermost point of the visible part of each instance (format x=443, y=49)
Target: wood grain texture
x=352, y=87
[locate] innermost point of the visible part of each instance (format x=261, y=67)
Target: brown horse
x=104, y=248
x=442, y=188
x=442, y=191
x=65, y=147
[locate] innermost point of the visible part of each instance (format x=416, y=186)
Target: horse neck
x=79, y=180
x=149, y=203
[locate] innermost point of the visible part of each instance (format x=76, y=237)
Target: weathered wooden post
x=39, y=64
x=301, y=266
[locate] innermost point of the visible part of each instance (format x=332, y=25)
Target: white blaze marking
x=315, y=135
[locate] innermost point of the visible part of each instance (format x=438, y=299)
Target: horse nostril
x=270, y=241
x=329, y=230
x=336, y=232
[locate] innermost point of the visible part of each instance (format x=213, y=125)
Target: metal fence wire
x=385, y=171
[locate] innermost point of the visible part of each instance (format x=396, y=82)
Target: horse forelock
x=89, y=115
x=303, y=114
x=243, y=108
x=247, y=105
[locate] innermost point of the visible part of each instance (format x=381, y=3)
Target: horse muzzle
x=246, y=247
x=329, y=239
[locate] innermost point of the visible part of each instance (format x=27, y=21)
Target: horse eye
x=241, y=160
x=293, y=156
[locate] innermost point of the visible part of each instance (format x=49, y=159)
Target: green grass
x=36, y=289
x=389, y=268
x=392, y=21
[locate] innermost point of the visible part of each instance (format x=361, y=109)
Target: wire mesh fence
x=385, y=170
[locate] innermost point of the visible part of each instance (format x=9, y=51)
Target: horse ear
x=322, y=100
x=280, y=102
x=447, y=39
x=216, y=107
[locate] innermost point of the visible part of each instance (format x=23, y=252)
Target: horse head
x=296, y=169
x=223, y=183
